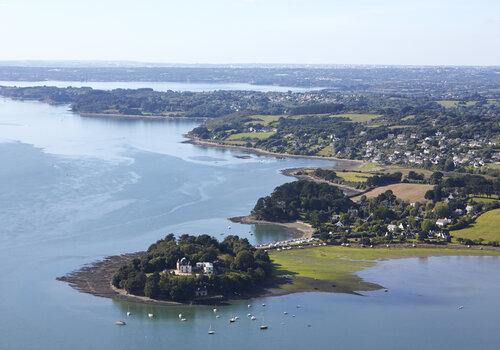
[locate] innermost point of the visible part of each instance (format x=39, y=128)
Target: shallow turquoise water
x=75, y=189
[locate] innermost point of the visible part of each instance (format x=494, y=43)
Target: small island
x=195, y=268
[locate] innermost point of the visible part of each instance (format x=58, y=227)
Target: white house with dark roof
x=184, y=266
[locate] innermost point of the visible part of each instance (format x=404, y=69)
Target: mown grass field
x=250, y=135
x=264, y=119
x=353, y=176
x=487, y=227
x=484, y=200
x=334, y=268
x=407, y=192
x=325, y=152
x=368, y=167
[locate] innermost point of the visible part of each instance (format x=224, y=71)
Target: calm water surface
x=75, y=189
x=158, y=86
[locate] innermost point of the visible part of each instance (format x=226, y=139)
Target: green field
x=353, y=176
x=368, y=167
x=250, y=136
x=484, y=200
x=334, y=268
x=408, y=117
x=263, y=119
x=358, y=117
x=487, y=227
x=325, y=152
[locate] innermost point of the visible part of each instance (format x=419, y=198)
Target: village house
x=443, y=222
x=391, y=228
x=205, y=267
x=184, y=266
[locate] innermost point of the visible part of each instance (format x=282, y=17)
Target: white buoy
x=150, y=315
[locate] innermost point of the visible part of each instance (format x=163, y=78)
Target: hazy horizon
x=258, y=32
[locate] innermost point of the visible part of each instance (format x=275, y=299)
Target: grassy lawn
x=325, y=152
x=395, y=168
x=334, y=268
x=486, y=227
x=484, y=200
x=407, y=192
x=353, y=176
x=368, y=167
x=409, y=117
x=250, y=136
x=358, y=117
x=264, y=119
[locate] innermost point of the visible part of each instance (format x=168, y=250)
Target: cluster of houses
x=402, y=230
x=409, y=149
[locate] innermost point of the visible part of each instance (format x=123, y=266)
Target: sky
x=392, y=32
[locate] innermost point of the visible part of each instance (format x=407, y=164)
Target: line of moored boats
x=233, y=319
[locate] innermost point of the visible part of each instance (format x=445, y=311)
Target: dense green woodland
x=239, y=268
x=299, y=199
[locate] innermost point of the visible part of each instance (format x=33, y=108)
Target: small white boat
x=263, y=304
x=460, y=307
x=180, y=315
x=298, y=306
x=263, y=327
x=150, y=315
x=253, y=318
x=217, y=316
x=183, y=319
x=249, y=305
x=210, y=330
x=120, y=323
x=229, y=227
x=129, y=313
x=215, y=310
x=232, y=319
x=249, y=315
x=293, y=315
x=285, y=313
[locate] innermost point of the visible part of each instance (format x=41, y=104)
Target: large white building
x=206, y=267
x=184, y=266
